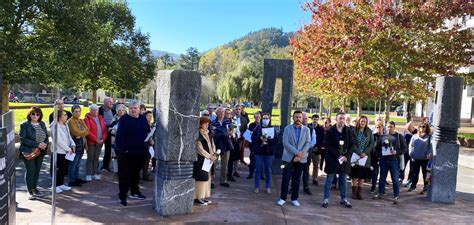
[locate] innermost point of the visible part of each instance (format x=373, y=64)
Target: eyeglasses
x=35, y=114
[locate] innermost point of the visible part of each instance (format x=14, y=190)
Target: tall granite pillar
x=272, y=70
x=446, y=121
x=177, y=100
x=7, y=169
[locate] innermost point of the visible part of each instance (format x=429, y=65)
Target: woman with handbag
x=420, y=152
x=33, y=145
x=205, y=150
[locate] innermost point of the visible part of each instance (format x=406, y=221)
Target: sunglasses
x=35, y=114
x=206, y=115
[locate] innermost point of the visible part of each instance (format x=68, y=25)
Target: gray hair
x=120, y=106
x=93, y=107
x=134, y=102
x=107, y=99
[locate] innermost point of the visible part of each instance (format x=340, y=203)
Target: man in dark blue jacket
x=220, y=132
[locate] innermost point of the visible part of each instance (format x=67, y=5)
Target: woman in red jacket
x=95, y=140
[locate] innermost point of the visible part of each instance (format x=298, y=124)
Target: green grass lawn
x=20, y=115
x=468, y=136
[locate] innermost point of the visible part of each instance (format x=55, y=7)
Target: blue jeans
x=391, y=165
x=264, y=161
x=291, y=171
x=342, y=185
x=73, y=170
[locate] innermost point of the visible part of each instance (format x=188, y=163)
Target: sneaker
x=30, y=196
x=268, y=190
x=256, y=190
x=200, y=202
x=408, y=184
x=346, y=203
x=315, y=182
x=377, y=196
x=296, y=203
x=280, y=202
x=65, y=188
x=58, y=190
x=97, y=177
x=231, y=179
x=307, y=191
x=249, y=177
x=207, y=201
x=395, y=200
x=104, y=170
x=325, y=204
x=37, y=193
x=372, y=189
x=225, y=185
x=138, y=196
x=236, y=174
x=88, y=178
x=123, y=202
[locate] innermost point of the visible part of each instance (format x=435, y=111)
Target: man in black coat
x=338, y=143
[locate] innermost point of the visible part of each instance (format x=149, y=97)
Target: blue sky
x=175, y=25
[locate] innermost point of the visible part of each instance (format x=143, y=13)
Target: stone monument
x=177, y=102
x=272, y=70
x=7, y=169
x=446, y=121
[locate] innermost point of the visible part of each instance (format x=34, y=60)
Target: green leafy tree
x=190, y=60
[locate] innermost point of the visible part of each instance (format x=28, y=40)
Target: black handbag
x=198, y=173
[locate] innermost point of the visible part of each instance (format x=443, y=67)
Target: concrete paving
x=96, y=203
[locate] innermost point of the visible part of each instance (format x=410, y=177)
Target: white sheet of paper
x=363, y=161
x=354, y=157
x=340, y=160
x=386, y=151
x=269, y=131
x=152, y=151
x=70, y=156
x=150, y=134
x=206, y=166
x=248, y=136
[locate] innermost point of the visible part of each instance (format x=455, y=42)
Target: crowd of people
x=347, y=149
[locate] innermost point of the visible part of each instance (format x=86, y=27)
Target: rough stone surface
x=446, y=121
x=444, y=173
x=7, y=169
x=177, y=100
x=272, y=70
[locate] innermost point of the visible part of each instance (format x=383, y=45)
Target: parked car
x=399, y=110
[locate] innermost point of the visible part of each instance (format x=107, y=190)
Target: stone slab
x=444, y=173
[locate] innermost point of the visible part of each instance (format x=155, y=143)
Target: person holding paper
x=263, y=149
x=363, y=146
x=221, y=133
x=205, y=150
x=79, y=131
x=339, y=147
x=257, y=118
x=391, y=145
x=65, y=145
x=296, y=144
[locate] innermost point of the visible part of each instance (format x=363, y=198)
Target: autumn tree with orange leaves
x=387, y=50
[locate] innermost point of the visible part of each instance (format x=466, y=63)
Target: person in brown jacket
x=79, y=131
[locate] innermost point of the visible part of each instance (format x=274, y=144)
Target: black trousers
x=129, y=167
x=416, y=172
x=306, y=172
x=107, y=152
x=291, y=172
x=61, y=168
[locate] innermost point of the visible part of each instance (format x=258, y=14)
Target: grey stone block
x=177, y=100
x=444, y=173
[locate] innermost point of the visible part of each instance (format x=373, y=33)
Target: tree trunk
x=380, y=107
x=5, y=100
x=330, y=109
x=387, y=110
x=375, y=107
x=359, y=107
x=343, y=108
x=321, y=107
x=94, y=96
x=408, y=111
